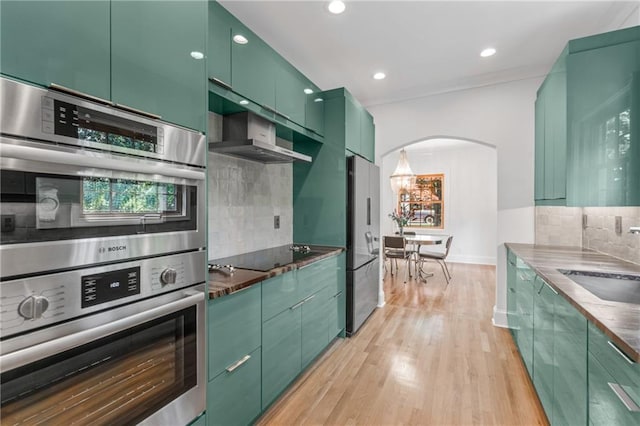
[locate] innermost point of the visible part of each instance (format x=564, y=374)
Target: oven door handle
x=34, y=353
x=88, y=159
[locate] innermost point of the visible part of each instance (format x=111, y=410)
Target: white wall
x=470, y=194
x=499, y=115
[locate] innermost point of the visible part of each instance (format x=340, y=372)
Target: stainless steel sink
x=607, y=286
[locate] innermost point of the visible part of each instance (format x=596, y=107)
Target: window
x=108, y=196
x=425, y=201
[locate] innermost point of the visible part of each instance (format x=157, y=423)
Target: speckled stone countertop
x=620, y=321
x=222, y=283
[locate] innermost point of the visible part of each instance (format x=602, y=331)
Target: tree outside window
x=425, y=201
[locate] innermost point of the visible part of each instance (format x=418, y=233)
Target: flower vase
x=402, y=231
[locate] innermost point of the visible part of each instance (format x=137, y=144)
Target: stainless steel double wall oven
x=102, y=257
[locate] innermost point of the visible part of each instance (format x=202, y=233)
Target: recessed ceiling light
x=244, y=102
x=490, y=51
x=240, y=39
x=308, y=91
x=197, y=55
x=337, y=7
x=317, y=100
x=379, y=76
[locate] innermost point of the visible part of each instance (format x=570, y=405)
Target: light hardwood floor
x=431, y=356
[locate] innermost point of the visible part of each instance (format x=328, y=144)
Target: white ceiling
x=425, y=47
x=439, y=145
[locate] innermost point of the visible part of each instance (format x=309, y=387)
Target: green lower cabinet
x=543, y=345
x=234, y=328
x=158, y=73
x=337, y=314
x=278, y=294
x=525, y=298
x=315, y=325
x=512, y=295
x=282, y=352
x=605, y=406
x=62, y=42
x=233, y=397
x=570, y=365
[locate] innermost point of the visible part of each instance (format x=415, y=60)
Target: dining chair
x=396, y=248
x=439, y=257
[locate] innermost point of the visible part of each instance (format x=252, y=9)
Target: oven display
x=102, y=288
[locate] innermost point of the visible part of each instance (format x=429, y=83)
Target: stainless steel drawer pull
x=550, y=288
x=511, y=263
x=220, y=83
x=338, y=295
x=624, y=397
x=297, y=305
x=238, y=363
x=73, y=92
x=622, y=354
x=308, y=298
x=137, y=111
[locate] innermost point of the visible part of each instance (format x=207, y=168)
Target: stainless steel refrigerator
x=363, y=218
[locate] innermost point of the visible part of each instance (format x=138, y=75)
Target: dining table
x=419, y=240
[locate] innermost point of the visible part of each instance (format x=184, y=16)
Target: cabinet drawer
x=624, y=371
x=233, y=397
x=279, y=293
x=605, y=405
x=234, y=328
x=337, y=314
x=314, y=277
x=314, y=325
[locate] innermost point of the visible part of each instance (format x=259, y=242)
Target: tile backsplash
x=563, y=226
x=244, y=196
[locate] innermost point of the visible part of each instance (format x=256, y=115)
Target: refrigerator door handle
x=368, y=210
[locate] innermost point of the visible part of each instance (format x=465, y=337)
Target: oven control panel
x=108, y=286
x=43, y=300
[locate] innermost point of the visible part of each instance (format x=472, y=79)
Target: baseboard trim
x=499, y=318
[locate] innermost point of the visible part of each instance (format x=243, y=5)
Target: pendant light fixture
x=402, y=178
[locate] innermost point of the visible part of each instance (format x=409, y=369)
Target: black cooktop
x=265, y=260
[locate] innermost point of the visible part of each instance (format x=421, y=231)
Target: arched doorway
x=469, y=206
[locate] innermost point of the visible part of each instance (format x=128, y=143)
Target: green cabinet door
x=353, y=130
x=253, y=67
x=605, y=405
x=279, y=293
x=512, y=300
x=62, y=42
x=539, y=146
x=219, y=43
x=337, y=314
x=525, y=298
x=152, y=67
x=367, y=135
x=555, y=133
x=543, y=347
x=314, y=109
x=281, y=352
x=234, y=328
x=316, y=276
x=233, y=397
x=570, y=365
x=315, y=325
x=291, y=98
x=604, y=125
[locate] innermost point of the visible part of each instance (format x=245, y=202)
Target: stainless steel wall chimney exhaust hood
x=249, y=136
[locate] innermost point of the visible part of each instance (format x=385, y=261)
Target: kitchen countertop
x=221, y=283
x=620, y=321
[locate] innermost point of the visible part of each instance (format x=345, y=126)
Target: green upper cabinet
x=314, y=109
x=352, y=125
x=158, y=72
x=219, y=43
x=253, y=68
x=551, y=137
x=291, y=98
x=604, y=119
x=61, y=42
x=367, y=135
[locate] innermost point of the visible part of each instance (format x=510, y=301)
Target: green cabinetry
x=291, y=99
x=551, y=137
x=314, y=109
x=604, y=119
x=219, y=43
x=587, y=150
x=315, y=323
x=360, y=130
x=62, y=42
x=512, y=295
x=337, y=298
x=234, y=339
x=543, y=344
x=157, y=73
x=614, y=383
x=525, y=278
